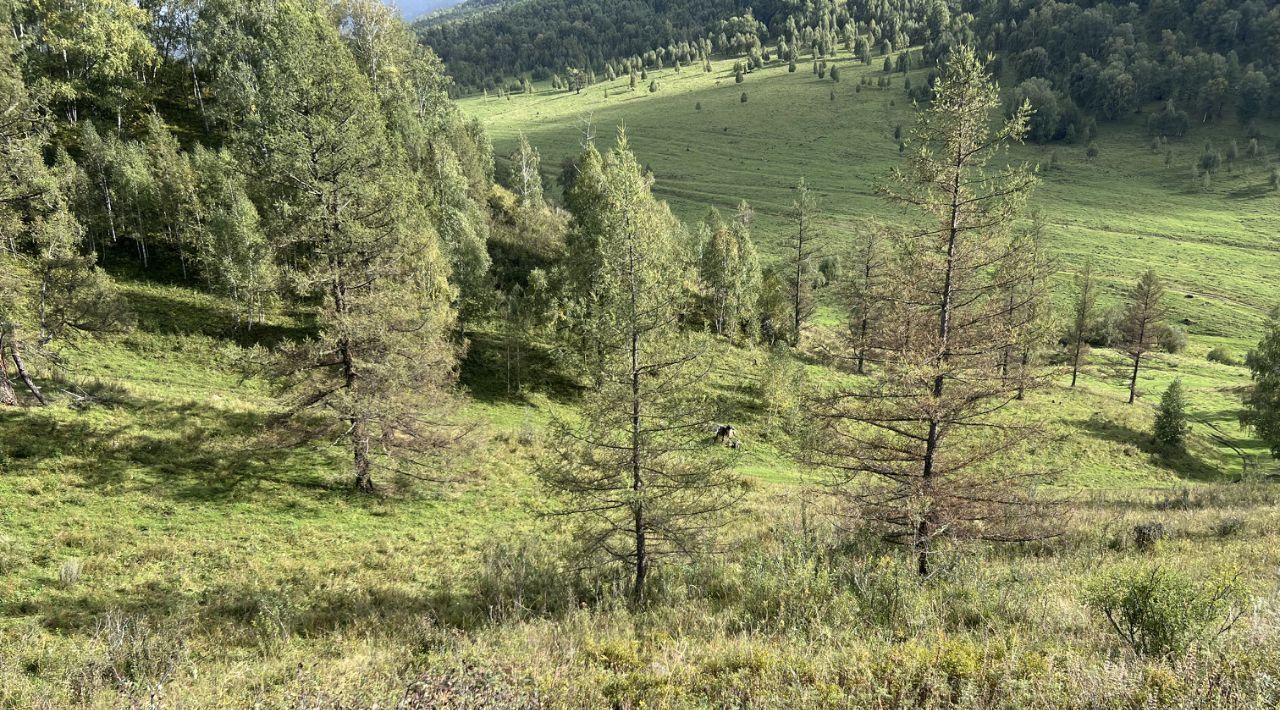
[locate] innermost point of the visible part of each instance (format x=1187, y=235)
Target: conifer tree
x=1261, y=411
x=634, y=469
x=926, y=428
x=1141, y=323
x=866, y=291
x=358, y=243
x=804, y=245
x=1082, y=318
x=1170, y=429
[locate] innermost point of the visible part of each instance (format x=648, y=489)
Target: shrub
x=69, y=573
x=137, y=658
x=1158, y=611
x=1230, y=527
x=1173, y=339
x=1146, y=535
x=1223, y=356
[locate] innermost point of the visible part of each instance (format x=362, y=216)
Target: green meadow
x=1124, y=209
x=159, y=547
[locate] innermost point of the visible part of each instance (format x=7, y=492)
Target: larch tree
x=804, y=244
x=451, y=162
x=1141, y=323
x=1083, y=318
x=928, y=432
x=377, y=372
x=866, y=297
x=1025, y=281
x=635, y=468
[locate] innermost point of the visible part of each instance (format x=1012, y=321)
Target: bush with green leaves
x=1222, y=356
x=1161, y=611
x=1173, y=340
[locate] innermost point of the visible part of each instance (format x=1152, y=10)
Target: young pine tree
x=634, y=468
x=1141, y=323
x=928, y=426
x=1170, y=429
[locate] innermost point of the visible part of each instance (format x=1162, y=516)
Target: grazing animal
x=726, y=435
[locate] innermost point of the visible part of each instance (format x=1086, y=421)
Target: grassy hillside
x=1126, y=210
x=160, y=546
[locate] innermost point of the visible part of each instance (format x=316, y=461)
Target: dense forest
x=546, y=36
x=1075, y=62
x=291, y=154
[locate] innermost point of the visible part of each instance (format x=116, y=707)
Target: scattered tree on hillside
x=866, y=289
x=376, y=373
x=1141, y=323
x=1083, y=318
x=804, y=245
x=1170, y=428
x=635, y=469
x=1262, y=401
x=927, y=427
x=729, y=273
x=526, y=172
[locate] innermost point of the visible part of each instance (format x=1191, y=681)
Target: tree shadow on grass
x=164, y=314
x=1182, y=464
x=485, y=372
x=1251, y=192
x=188, y=451
x=250, y=610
